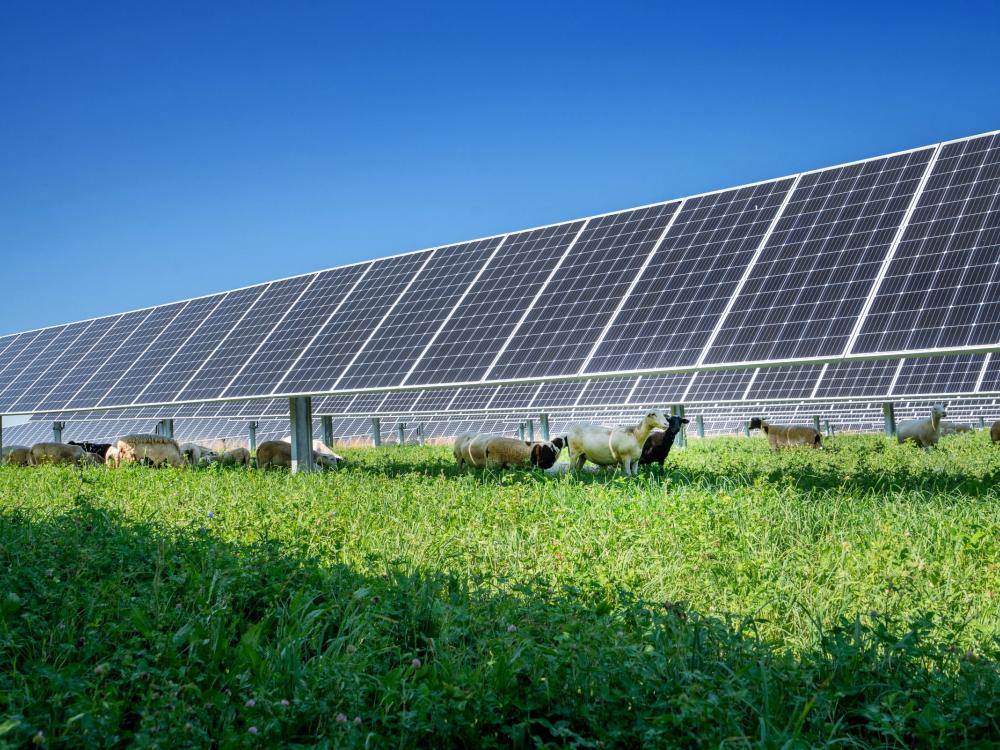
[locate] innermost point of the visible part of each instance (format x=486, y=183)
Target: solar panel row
x=893, y=254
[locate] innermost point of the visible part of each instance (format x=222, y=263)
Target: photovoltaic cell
x=610, y=391
x=192, y=354
x=669, y=316
x=87, y=365
x=660, y=389
x=464, y=348
x=25, y=391
x=857, y=379
x=784, y=382
x=991, y=378
x=940, y=289
x=951, y=374
x=367, y=403
x=333, y=404
x=45, y=348
x=437, y=400
x=812, y=279
x=23, y=354
x=240, y=345
x=148, y=364
x=727, y=385
x=337, y=342
x=6, y=343
x=127, y=353
x=419, y=313
x=290, y=337
x=514, y=396
x=396, y=403
x=563, y=326
x=473, y=398
x=552, y=395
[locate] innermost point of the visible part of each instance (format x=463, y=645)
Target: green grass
x=844, y=598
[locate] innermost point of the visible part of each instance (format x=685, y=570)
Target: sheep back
x=17, y=455
x=995, y=432
x=56, y=453
x=153, y=448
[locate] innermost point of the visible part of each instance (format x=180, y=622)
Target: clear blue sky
x=153, y=154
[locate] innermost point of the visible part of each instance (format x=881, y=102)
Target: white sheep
x=611, y=446
x=16, y=455
x=923, y=432
x=56, y=453
x=784, y=436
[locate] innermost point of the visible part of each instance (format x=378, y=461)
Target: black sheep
x=98, y=449
x=544, y=455
x=657, y=445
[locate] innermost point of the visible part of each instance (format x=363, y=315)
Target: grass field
x=844, y=598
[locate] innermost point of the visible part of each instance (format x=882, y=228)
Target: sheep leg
x=577, y=461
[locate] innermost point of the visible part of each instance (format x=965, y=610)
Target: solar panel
x=551, y=395
x=667, y=319
x=608, y=391
x=435, y=400
x=472, y=337
x=34, y=345
x=847, y=379
x=37, y=378
x=469, y=399
x=727, y=385
x=188, y=358
x=940, y=290
x=239, y=347
x=397, y=344
x=660, y=389
x=783, y=382
x=514, y=396
x=814, y=274
x=565, y=323
x=399, y=402
x=990, y=382
x=6, y=343
x=952, y=374
x=325, y=358
x=292, y=334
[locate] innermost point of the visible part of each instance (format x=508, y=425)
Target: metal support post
x=252, y=437
x=889, y=418
x=1, y=437
x=543, y=426
x=420, y=435
x=816, y=422
x=746, y=429
x=829, y=428
x=376, y=432
x=699, y=425
x=327, y=423
x=530, y=436
x=401, y=433
x=520, y=431
x=300, y=415
x=677, y=410
x=57, y=430
x=982, y=425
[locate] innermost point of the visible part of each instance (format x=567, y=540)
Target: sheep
x=97, y=449
x=155, y=449
x=995, y=432
x=461, y=444
x=234, y=457
x=112, y=457
x=197, y=455
x=658, y=444
x=56, y=453
x=923, y=432
x=785, y=436
x=17, y=455
x=505, y=451
x=954, y=428
x=612, y=446
x=275, y=453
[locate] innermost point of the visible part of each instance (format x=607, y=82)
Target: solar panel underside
x=814, y=274
x=940, y=289
x=342, y=336
x=468, y=343
x=565, y=323
x=394, y=348
x=667, y=319
x=234, y=353
x=326, y=295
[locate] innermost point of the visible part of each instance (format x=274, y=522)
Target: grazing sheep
x=470, y=449
x=461, y=445
x=197, y=455
x=97, y=449
x=506, y=451
x=56, y=453
x=278, y=453
x=153, y=449
x=608, y=446
x=658, y=444
x=785, y=436
x=112, y=457
x=954, y=428
x=17, y=455
x=923, y=432
x=234, y=457
x=995, y=432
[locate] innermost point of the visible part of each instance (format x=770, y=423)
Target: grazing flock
x=629, y=447
x=155, y=450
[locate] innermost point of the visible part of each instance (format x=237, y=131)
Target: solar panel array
x=896, y=256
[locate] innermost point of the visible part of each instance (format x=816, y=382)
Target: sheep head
x=674, y=424
x=656, y=418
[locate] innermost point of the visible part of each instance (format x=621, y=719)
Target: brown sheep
x=785, y=436
x=234, y=457
x=56, y=453
x=995, y=432
x=17, y=455
x=278, y=453
x=142, y=448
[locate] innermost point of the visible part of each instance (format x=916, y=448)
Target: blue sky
x=154, y=154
